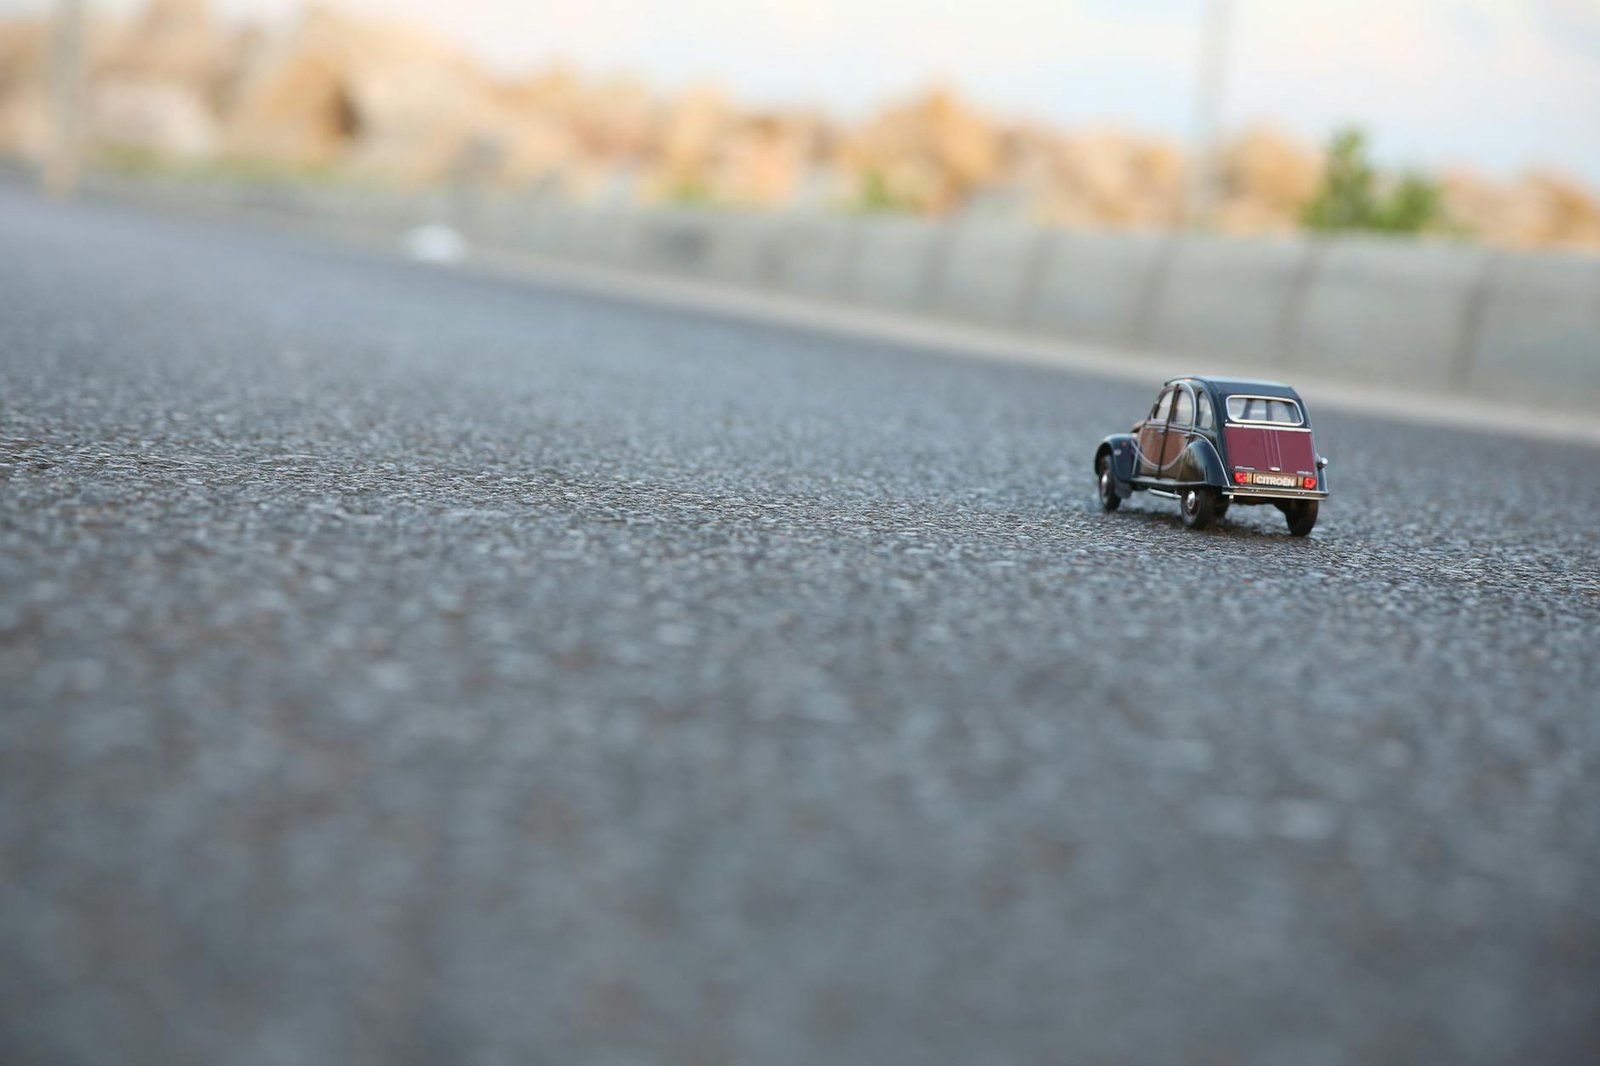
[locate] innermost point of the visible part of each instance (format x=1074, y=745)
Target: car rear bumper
x=1243, y=492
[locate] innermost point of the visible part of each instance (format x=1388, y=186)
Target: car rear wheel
x=1199, y=507
x=1109, y=500
x=1301, y=516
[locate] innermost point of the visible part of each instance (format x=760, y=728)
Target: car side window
x=1163, y=406
x=1207, y=418
x=1183, y=412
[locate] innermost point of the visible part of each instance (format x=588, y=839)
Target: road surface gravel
x=402, y=664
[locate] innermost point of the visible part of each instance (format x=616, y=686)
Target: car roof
x=1241, y=386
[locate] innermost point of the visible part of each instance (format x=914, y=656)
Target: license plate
x=1277, y=481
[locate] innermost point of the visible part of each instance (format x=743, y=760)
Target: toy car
x=1210, y=443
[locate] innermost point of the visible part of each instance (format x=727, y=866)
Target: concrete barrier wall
x=1538, y=330
x=677, y=243
x=504, y=223
x=895, y=263
x=743, y=248
x=1231, y=299
x=811, y=256
x=612, y=238
x=1412, y=314
x=1389, y=312
x=988, y=271
x=1096, y=286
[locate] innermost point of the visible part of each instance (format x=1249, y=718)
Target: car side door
x=1180, y=426
x=1153, y=435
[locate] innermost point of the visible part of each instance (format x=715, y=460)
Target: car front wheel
x=1109, y=500
x=1199, y=507
x=1301, y=515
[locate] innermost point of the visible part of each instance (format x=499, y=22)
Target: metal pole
x=61, y=168
x=1210, y=87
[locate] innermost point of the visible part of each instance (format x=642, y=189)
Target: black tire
x=1109, y=500
x=1301, y=516
x=1199, y=506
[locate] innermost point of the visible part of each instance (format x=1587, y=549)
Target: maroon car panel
x=1265, y=448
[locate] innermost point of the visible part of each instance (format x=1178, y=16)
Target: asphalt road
x=405, y=665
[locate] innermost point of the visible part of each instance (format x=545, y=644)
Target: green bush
x=874, y=195
x=1413, y=206
x=1351, y=197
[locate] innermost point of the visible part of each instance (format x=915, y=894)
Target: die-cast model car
x=1210, y=443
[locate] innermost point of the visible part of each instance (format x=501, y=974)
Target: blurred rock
x=151, y=116
x=377, y=96
x=1109, y=177
x=24, y=100
x=173, y=44
x=929, y=154
x=1266, y=178
x=1540, y=208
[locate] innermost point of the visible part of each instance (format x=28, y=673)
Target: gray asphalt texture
x=405, y=665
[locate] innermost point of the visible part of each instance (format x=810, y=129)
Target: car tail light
x=1308, y=482
x=1241, y=478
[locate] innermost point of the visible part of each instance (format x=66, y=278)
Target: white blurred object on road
x=434, y=243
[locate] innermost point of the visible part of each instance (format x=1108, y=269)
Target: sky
x=1499, y=85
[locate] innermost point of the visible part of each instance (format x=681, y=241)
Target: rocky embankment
x=328, y=91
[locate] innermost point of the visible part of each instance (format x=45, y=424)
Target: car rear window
x=1264, y=409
